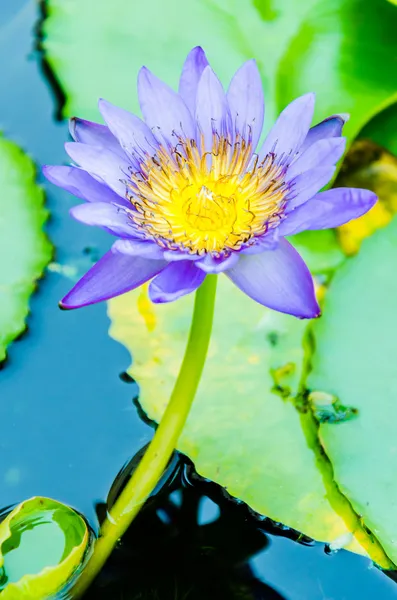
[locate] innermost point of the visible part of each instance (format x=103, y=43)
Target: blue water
x=69, y=423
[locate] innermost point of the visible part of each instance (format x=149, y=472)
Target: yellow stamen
x=207, y=201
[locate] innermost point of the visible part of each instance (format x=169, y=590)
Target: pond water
x=70, y=423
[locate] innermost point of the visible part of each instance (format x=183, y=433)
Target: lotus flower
x=187, y=191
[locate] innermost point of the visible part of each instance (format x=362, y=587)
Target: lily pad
x=355, y=360
x=42, y=543
x=320, y=250
x=244, y=431
x=24, y=248
x=382, y=129
x=299, y=46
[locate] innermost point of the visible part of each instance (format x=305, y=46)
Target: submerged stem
x=164, y=441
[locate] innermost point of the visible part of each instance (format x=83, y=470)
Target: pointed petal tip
x=310, y=316
x=310, y=98
x=69, y=145
x=198, y=50
x=63, y=306
x=104, y=106
x=251, y=62
x=144, y=72
x=208, y=71
x=250, y=68
x=142, y=77
x=72, y=126
x=372, y=198
x=310, y=312
x=50, y=171
x=209, y=77
x=306, y=101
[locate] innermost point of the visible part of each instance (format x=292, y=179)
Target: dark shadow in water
x=166, y=554
x=47, y=72
x=192, y=542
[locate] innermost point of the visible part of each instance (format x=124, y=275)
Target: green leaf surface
x=244, y=432
x=42, y=543
x=24, y=248
x=355, y=360
x=344, y=50
x=382, y=129
x=319, y=249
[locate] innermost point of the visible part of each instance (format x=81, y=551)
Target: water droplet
x=340, y=542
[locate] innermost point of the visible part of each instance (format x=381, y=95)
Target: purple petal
x=94, y=134
x=113, y=218
x=290, y=129
x=178, y=255
x=102, y=164
x=80, y=183
x=278, y=279
x=246, y=103
x=142, y=247
x=212, y=110
x=307, y=184
x=330, y=127
x=112, y=275
x=268, y=241
x=328, y=209
x=177, y=279
x=134, y=135
x=211, y=264
x=323, y=153
x=193, y=68
x=163, y=109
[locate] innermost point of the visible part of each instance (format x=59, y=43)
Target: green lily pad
x=320, y=250
x=24, y=248
x=355, y=360
x=346, y=65
x=299, y=46
x=382, y=129
x=244, y=431
x=42, y=543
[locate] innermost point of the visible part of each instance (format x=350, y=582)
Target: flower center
x=209, y=212
x=204, y=202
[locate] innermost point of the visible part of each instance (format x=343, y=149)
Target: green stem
x=164, y=441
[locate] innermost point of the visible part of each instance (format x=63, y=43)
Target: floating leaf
x=299, y=46
x=344, y=51
x=42, y=543
x=355, y=360
x=24, y=248
x=244, y=432
x=320, y=250
x=382, y=129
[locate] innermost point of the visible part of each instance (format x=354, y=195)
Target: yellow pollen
x=206, y=202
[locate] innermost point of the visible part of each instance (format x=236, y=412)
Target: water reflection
x=168, y=554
